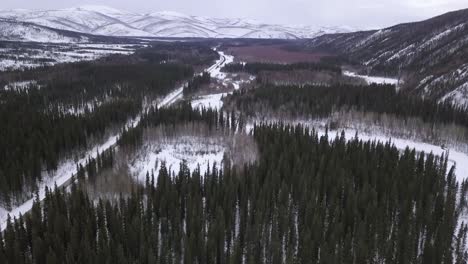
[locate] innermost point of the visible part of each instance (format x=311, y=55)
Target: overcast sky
x=362, y=14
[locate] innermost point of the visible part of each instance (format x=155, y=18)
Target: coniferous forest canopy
x=72, y=106
x=303, y=197
x=307, y=200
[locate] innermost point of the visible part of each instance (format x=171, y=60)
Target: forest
x=70, y=107
x=322, y=101
x=255, y=68
x=300, y=196
x=307, y=200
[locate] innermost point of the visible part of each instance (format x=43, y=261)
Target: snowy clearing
x=194, y=151
x=47, y=55
x=16, y=86
x=373, y=79
x=213, y=101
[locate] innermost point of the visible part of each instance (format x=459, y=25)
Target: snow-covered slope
x=429, y=55
x=101, y=20
x=21, y=31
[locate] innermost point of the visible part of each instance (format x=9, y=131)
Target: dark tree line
x=307, y=200
x=182, y=113
x=197, y=83
x=255, y=68
x=321, y=101
x=77, y=84
x=34, y=142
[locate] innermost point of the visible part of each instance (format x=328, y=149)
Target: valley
x=161, y=137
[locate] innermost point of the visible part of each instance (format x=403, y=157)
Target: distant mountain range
x=106, y=21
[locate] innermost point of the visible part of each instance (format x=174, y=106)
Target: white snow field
x=48, y=55
x=213, y=101
x=373, y=79
x=194, y=151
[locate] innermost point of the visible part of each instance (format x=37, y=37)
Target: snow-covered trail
x=214, y=71
x=63, y=175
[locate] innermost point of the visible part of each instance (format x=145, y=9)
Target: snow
x=67, y=169
x=442, y=35
x=215, y=70
x=194, y=151
x=456, y=78
x=25, y=57
x=60, y=177
x=373, y=79
x=15, y=86
x=402, y=52
x=172, y=97
x=213, y=101
x=457, y=158
x=459, y=96
x=96, y=19
x=98, y=8
x=15, y=31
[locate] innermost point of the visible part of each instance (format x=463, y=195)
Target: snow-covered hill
x=101, y=20
x=429, y=55
x=23, y=31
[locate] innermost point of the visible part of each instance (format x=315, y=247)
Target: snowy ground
x=15, y=86
x=191, y=150
x=373, y=79
x=194, y=151
x=204, y=154
x=457, y=158
x=225, y=79
x=61, y=176
x=213, y=101
x=36, y=56
x=67, y=169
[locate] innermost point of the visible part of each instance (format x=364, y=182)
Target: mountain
x=101, y=20
x=431, y=56
x=22, y=31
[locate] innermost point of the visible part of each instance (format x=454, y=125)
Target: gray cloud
x=356, y=13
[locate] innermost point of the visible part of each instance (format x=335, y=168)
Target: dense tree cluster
x=255, y=68
x=193, y=53
x=321, y=101
x=182, y=113
x=307, y=200
x=197, y=83
x=77, y=84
